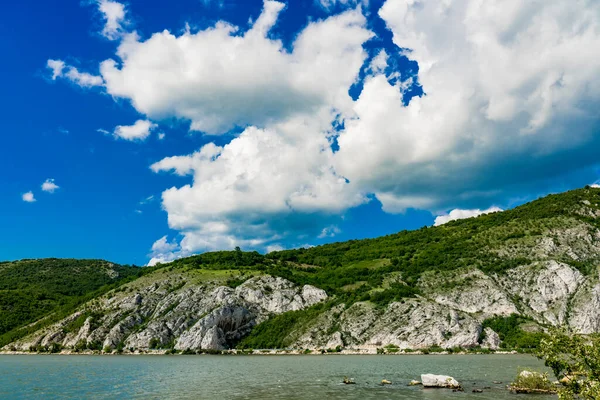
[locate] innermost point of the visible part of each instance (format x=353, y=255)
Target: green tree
x=575, y=360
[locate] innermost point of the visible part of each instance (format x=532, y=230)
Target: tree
x=575, y=360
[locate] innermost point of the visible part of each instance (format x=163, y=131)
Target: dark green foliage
x=222, y=260
x=53, y=288
x=235, y=282
x=575, y=360
x=512, y=335
x=396, y=292
x=275, y=332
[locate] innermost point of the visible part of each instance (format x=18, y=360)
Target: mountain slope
x=31, y=289
x=516, y=272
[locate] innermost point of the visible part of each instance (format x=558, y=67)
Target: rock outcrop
x=170, y=312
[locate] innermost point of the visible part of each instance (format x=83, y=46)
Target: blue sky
x=320, y=122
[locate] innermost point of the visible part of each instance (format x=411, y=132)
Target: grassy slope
x=389, y=268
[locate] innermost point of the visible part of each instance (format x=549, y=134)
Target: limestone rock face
x=491, y=341
x=472, y=292
x=414, y=324
x=544, y=288
x=171, y=312
x=585, y=308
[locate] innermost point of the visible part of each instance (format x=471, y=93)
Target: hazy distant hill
x=468, y=283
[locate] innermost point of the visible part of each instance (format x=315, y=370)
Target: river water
x=255, y=377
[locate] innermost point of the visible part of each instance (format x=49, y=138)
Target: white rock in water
x=439, y=381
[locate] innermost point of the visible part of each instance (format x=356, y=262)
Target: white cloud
x=512, y=94
x=505, y=83
x=379, y=63
x=595, y=185
x=28, y=197
x=163, y=252
x=114, y=18
x=219, y=79
x=274, y=247
x=330, y=4
x=140, y=130
x=147, y=200
x=49, y=186
x=161, y=135
x=462, y=214
x=329, y=232
x=248, y=187
x=83, y=79
x=57, y=67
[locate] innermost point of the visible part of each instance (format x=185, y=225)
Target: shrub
x=575, y=360
x=532, y=381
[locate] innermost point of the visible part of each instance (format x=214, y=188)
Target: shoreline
x=256, y=353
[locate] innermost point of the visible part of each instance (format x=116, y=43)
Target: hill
x=32, y=289
x=496, y=280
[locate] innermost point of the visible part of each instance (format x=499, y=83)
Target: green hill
x=511, y=273
x=32, y=289
x=493, y=243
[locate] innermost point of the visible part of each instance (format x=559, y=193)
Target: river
x=255, y=377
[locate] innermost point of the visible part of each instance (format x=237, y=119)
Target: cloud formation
x=511, y=97
x=462, y=214
x=163, y=252
x=28, y=197
x=49, y=186
x=219, y=79
x=60, y=69
x=330, y=4
x=504, y=90
x=139, y=131
x=114, y=15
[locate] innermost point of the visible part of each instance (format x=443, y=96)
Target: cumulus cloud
x=505, y=86
x=512, y=94
x=114, y=15
x=595, y=185
x=139, y=131
x=163, y=252
x=219, y=79
x=462, y=214
x=49, y=186
x=83, y=79
x=28, y=197
x=254, y=186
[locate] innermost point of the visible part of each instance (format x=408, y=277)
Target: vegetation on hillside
x=358, y=269
x=510, y=331
x=32, y=289
x=379, y=270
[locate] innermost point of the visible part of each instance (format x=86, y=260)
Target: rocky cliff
x=168, y=310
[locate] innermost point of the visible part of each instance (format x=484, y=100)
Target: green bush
x=510, y=332
x=533, y=380
x=575, y=360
